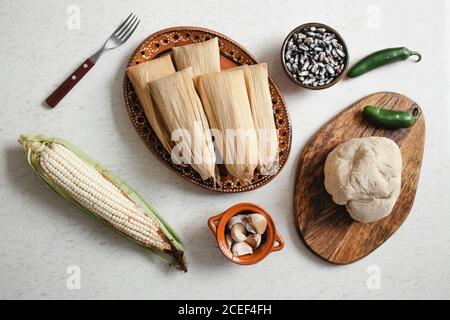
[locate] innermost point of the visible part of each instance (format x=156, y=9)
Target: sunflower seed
x=303, y=47
x=306, y=65
x=340, y=52
x=330, y=70
x=322, y=56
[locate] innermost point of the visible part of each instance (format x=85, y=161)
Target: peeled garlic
x=258, y=222
x=244, y=233
x=250, y=228
x=236, y=219
x=229, y=240
x=254, y=240
x=238, y=232
x=241, y=248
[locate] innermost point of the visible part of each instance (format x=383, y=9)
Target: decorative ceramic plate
x=231, y=55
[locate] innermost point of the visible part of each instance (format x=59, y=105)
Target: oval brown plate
x=325, y=227
x=231, y=55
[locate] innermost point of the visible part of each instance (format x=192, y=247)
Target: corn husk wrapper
x=140, y=75
x=257, y=82
x=183, y=114
x=32, y=144
x=226, y=104
x=203, y=57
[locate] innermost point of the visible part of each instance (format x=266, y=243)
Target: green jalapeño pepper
x=381, y=58
x=391, y=118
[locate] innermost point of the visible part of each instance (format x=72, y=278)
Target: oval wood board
x=325, y=227
x=231, y=55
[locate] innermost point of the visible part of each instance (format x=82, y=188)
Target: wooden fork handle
x=69, y=83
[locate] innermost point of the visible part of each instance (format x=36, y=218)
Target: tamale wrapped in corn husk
x=227, y=106
x=203, y=57
x=95, y=190
x=140, y=75
x=183, y=114
x=257, y=81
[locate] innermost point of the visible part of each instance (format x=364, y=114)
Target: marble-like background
x=41, y=234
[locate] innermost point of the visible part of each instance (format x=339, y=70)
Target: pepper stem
x=416, y=113
x=417, y=54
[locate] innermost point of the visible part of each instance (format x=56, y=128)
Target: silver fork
x=118, y=37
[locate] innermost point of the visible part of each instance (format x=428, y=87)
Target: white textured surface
x=41, y=234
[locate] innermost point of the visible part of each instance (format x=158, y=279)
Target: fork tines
x=126, y=29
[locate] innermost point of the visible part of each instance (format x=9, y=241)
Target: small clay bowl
x=301, y=28
x=272, y=240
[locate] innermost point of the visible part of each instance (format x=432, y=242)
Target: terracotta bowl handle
x=212, y=222
x=280, y=243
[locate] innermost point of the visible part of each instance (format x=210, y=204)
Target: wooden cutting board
x=325, y=227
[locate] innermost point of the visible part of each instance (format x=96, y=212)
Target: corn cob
x=94, y=189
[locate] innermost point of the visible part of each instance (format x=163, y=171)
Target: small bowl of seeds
x=245, y=233
x=314, y=56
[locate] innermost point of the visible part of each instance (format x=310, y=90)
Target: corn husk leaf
x=227, y=107
x=140, y=75
x=257, y=82
x=176, y=255
x=203, y=57
x=183, y=114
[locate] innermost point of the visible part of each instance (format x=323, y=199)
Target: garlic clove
x=241, y=249
x=254, y=240
x=239, y=218
x=229, y=240
x=250, y=228
x=238, y=232
x=258, y=222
